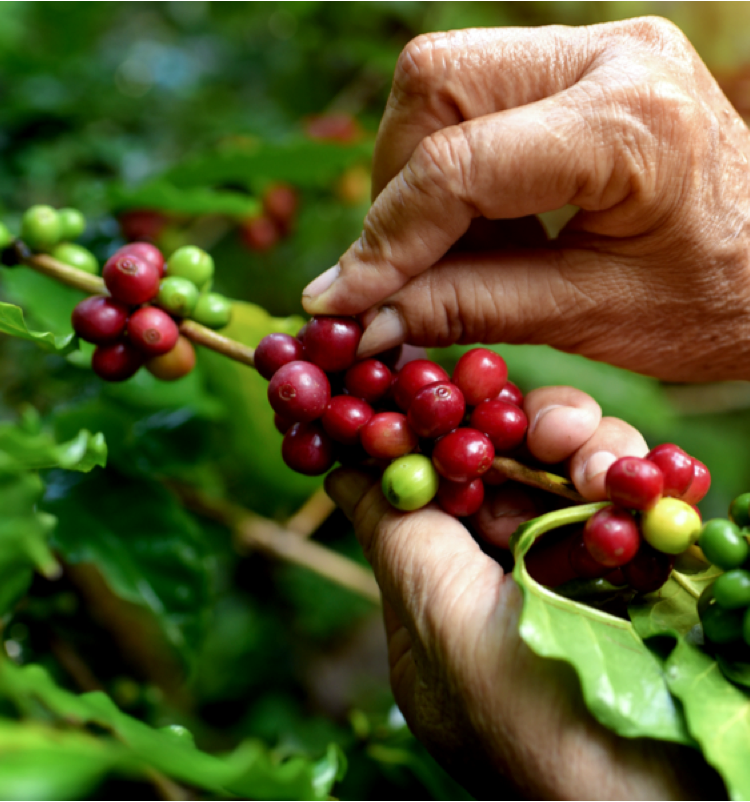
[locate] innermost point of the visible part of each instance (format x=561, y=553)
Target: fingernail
x=319, y=285
x=385, y=331
x=597, y=464
x=346, y=487
x=567, y=418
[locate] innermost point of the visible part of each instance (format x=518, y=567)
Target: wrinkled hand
x=622, y=120
x=468, y=686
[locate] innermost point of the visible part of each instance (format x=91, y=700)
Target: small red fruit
x=99, y=319
x=131, y=279
x=611, y=536
x=677, y=467
x=152, y=331
x=634, y=483
x=463, y=455
x=116, y=362
x=480, y=374
x=175, y=363
x=460, y=498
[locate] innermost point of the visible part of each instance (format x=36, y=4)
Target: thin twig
x=253, y=532
x=508, y=468
x=309, y=517
x=684, y=583
x=218, y=342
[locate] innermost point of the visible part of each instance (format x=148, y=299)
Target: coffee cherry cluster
x=135, y=324
x=724, y=606
x=435, y=435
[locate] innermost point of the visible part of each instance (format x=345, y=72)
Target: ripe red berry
x=99, y=319
x=116, y=362
x=480, y=374
x=387, y=435
x=299, y=391
x=260, y=233
x=511, y=393
x=463, y=455
x=503, y=422
x=649, y=569
x=677, y=467
x=130, y=279
x=275, y=350
x=146, y=251
x=140, y=224
x=307, y=449
x=369, y=380
x=460, y=498
x=152, y=331
x=175, y=363
x=611, y=536
x=700, y=484
x=436, y=409
x=582, y=563
x=412, y=377
x=282, y=424
x=280, y=204
x=344, y=417
x=634, y=483
x=331, y=342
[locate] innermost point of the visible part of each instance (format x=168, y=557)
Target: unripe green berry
x=72, y=223
x=732, y=589
x=76, y=256
x=40, y=228
x=739, y=510
x=177, y=296
x=191, y=263
x=723, y=544
x=722, y=626
x=212, y=310
x=410, y=482
x=5, y=236
x=671, y=526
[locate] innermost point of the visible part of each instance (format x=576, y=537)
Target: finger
x=429, y=568
x=561, y=420
x=588, y=466
x=442, y=79
x=504, y=509
x=551, y=155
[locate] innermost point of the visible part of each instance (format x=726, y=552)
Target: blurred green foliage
x=177, y=118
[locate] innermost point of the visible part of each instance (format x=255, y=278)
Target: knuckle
x=419, y=66
x=442, y=160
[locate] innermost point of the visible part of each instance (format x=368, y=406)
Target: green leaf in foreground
x=717, y=714
x=22, y=450
x=12, y=322
x=249, y=772
x=621, y=680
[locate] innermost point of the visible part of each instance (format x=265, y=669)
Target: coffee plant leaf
x=20, y=450
x=302, y=162
x=149, y=551
x=605, y=651
x=671, y=610
x=252, y=443
x=250, y=771
x=717, y=713
x=12, y=322
x=164, y=196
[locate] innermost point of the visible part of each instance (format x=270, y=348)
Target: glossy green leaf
x=46, y=302
x=148, y=549
x=621, y=680
x=717, y=714
x=12, y=322
x=671, y=609
x=250, y=771
x=20, y=450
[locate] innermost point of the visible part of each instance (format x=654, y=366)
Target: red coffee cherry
x=649, y=569
x=116, y=362
x=152, y=331
x=307, y=449
x=480, y=374
x=412, y=377
x=511, y=393
x=436, y=409
x=143, y=250
x=611, y=536
x=344, y=417
x=463, y=455
x=634, y=483
x=677, y=467
x=175, y=363
x=369, y=380
x=130, y=279
x=700, y=484
x=460, y=499
x=503, y=422
x=299, y=391
x=387, y=435
x=331, y=342
x=99, y=319
x=275, y=350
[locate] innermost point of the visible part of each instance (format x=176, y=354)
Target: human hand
x=469, y=688
x=622, y=120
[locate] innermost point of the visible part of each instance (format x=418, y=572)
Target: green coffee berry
x=191, y=263
x=732, y=589
x=739, y=510
x=177, y=296
x=76, y=256
x=410, y=482
x=671, y=526
x=5, y=236
x=40, y=228
x=72, y=223
x=723, y=544
x=722, y=626
x=212, y=310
